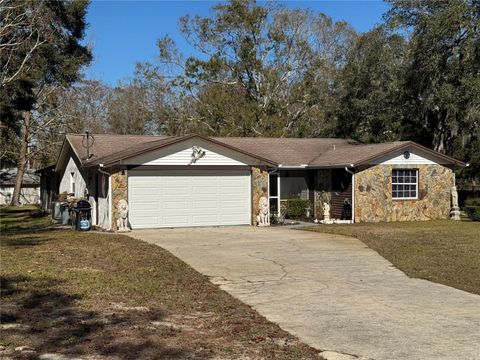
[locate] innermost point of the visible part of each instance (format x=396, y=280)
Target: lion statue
x=122, y=221
x=263, y=218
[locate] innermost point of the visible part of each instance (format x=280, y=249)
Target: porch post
x=353, y=196
x=279, y=212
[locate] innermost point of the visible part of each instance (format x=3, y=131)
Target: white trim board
x=416, y=157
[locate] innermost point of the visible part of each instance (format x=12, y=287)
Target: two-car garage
x=196, y=197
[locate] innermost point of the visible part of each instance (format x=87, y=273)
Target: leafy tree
x=442, y=77
x=263, y=70
x=142, y=105
x=44, y=53
x=74, y=109
x=370, y=87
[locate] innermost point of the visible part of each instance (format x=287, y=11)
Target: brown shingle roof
x=348, y=154
x=314, y=152
x=286, y=151
x=107, y=144
x=8, y=177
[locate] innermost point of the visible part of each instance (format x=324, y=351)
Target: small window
x=72, y=183
x=405, y=184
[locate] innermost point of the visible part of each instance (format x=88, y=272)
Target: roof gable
x=128, y=154
x=180, y=153
x=423, y=155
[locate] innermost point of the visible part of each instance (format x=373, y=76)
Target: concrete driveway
x=332, y=292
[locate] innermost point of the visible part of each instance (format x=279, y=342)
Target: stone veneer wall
x=373, y=194
x=259, y=189
x=323, y=188
x=119, y=191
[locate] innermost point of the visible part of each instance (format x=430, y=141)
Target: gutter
x=301, y=166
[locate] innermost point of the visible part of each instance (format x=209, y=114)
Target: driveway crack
x=282, y=267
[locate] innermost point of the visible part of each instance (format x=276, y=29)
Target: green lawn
x=446, y=252
x=113, y=297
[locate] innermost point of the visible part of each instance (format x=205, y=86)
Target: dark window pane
x=395, y=194
x=273, y=185
x=293, y=187
x=273, y=206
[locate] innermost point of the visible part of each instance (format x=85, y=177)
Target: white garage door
x=188, y=198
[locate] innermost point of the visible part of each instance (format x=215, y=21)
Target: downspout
x=353, y=190
x=109, y=196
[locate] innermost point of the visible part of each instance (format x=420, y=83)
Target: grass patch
x=23, y=218
x=111, y=296
x=446, y=252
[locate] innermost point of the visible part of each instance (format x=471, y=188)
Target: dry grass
x=113, y=297
x=446, y=252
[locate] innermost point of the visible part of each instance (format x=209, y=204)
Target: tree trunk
x=22, y=158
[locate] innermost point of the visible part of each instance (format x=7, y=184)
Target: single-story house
x=194, y=180
x=30, y=190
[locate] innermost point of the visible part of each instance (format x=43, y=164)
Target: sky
x=122, y=33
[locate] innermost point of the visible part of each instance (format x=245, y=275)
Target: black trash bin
x=82, y=212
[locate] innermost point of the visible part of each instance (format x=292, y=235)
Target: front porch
x=316, y=187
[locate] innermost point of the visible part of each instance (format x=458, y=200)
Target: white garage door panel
x=188, y=198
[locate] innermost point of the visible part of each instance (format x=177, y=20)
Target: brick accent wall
x=373, y=194
x=259, y=189
x=119, y=191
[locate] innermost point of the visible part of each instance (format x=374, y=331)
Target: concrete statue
x=122, y=220
x=455, y=211
x=263, y=218
x=326, y=211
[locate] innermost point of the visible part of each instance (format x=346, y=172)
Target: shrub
x=472, y=202
x=472, y=208
x=296, y=208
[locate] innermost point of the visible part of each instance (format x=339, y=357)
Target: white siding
x=28, y=195
x=183, y=157
x=103, y=213
x=65, y=182
x=104, y=202
x=416, y=157
x=180, y=154
x=188, y=198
